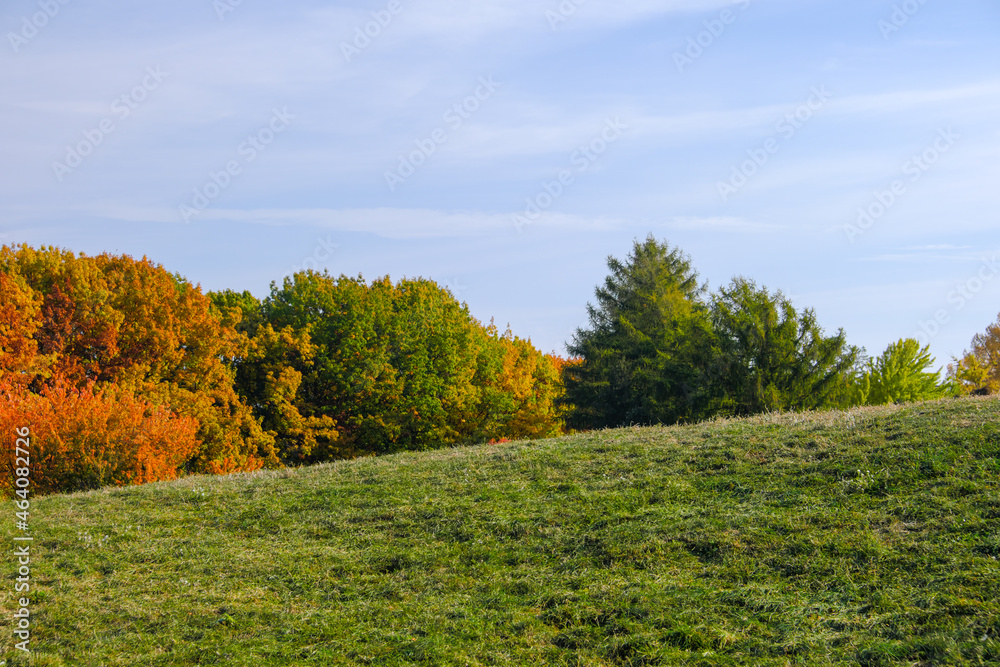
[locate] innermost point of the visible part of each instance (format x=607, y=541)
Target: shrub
x=93, y=436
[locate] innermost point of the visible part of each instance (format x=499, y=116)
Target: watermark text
x=714, y=29
x=122, y=107
x=582, y=159
x=454, y=116
x=914, y=168
x=363, y=37
x=784, y=130
x=22, y=543
x=248, y=150
x=30, y=27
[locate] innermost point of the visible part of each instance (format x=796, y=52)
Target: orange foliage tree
x=119, y=321
x=520, y=387
x=92, y=437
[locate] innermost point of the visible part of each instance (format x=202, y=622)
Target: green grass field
x=865, y=537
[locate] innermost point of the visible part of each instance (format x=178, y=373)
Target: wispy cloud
x=690, y=126
x=922, y=257
x=385, y=222
x=941, y=246
x=444, y=20
x=725, y=224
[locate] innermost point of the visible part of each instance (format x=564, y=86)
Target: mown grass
x=865, y=537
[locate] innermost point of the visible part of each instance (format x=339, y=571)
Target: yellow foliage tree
x=978, y=371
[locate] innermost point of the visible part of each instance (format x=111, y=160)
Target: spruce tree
x=646, y=354
x=775, y=358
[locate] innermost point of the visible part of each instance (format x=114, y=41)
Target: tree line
x=659, y=349
x=128, y=373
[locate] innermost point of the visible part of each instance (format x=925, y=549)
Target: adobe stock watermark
x=714, y=29
x=455, y=116
x=915, y=168
x=323, y=253
x=959, y=298
x=563, y=12
x=121, y=107
x=582, y=159
x=248, y=150
x=223, y=7
x=901, y=15
x=22, y=551
x=30, y=27
x=363, y=37
x=455, y=286
x=784, y=130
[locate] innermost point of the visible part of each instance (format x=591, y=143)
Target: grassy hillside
x=868, y=537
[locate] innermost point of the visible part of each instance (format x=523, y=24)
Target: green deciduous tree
x=269, y=374
x=393, y=364
x=899, y=375
x=339, y=367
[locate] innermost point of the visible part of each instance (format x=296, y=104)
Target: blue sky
x=233, y=141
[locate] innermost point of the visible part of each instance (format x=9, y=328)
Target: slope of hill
x=864, y=537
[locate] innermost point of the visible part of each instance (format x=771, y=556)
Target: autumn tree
x=19, y=309
x=322, y=368
x=94, y=436
x=978, y=371
x=518, y=388
x=114, y=320
x=268, y=377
